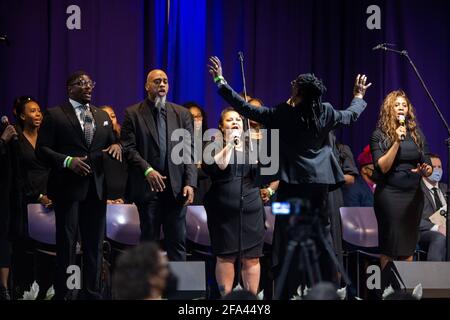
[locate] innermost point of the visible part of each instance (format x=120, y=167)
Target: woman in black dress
x=222, y=204
x=400, y=156
x=33, y=189
x=29, y=118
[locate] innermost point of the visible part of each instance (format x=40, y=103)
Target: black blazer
x=139, y=137
x=428, y=206
x=305, y=157
x=60, y=136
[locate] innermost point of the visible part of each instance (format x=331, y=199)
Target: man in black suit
x=432, y=236
x=72, y=140
x=157, y=185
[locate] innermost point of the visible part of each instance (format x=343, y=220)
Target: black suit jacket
x=304, y=156
x=429, y=207
x=60, y=136
x=139, y=138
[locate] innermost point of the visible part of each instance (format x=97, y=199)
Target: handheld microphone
x=5, y=122
x=236, y=137
x=401, y=120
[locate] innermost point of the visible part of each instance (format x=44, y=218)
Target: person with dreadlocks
x=307, y=164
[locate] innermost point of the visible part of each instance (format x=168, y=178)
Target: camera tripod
x=305, y=234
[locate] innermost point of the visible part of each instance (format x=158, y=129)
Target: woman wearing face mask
x=400, y=156
x=200, y=126
x=222, y=203
x=433, y=236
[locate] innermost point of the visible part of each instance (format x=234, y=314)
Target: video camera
x=292, y=207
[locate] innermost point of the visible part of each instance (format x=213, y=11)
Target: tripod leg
x=306, y=262
x=292, y=245
x=326, y=244
x=315, y=261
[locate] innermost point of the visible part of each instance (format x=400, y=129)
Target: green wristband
x=69, y=162
x=149, y=169
x=218, y=78
x=271, y=191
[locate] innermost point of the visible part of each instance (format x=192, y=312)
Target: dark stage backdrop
x=121, y=40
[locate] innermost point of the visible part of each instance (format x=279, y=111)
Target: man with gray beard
x=158, y=186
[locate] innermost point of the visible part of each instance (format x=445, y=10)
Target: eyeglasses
x=84, y=83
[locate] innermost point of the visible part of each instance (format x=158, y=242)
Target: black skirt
x=398, y=213
x=222, y=206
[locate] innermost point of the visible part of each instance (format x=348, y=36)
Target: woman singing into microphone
x=400, y=156
x=222, y=203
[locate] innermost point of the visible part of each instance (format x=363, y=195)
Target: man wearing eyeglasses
x=72, y=139
x=159, y=187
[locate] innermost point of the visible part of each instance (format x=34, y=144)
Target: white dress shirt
x=440, y=194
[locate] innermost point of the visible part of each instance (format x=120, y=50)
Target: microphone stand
x=447, y=141
x=241, y=199
x=241, y=60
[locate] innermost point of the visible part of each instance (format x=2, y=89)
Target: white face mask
x=436, y=176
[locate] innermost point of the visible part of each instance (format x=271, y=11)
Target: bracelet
x=218, y=78
x=69, y=162
x=40, y=197
x=149, y=169
x=271, y=191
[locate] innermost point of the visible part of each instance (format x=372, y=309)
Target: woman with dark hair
x=29, y=117
x=400, y=156
x=200, y=127
x=112, y=115
x=198, y=114
x=31, y=175
x=268, y=183
x=230, y=169
x=116, y=171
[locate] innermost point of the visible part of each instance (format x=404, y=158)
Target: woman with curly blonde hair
x=400, y=155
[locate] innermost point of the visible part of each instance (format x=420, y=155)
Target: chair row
x=122, y=224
